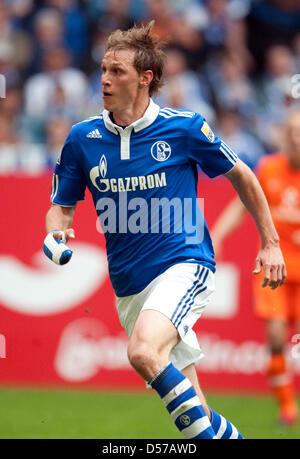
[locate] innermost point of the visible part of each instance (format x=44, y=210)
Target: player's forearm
x=59, y=218
x=251, y=194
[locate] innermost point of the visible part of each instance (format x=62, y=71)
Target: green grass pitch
x=53, y=414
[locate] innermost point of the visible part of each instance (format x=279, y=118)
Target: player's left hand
x=270, y=258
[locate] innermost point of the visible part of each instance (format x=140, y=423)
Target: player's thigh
x=163, y=314
x=153, y=329
x=276, y=331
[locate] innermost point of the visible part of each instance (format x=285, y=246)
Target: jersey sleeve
x=213, y=155
x=68, y=184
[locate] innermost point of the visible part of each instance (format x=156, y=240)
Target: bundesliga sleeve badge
x=207, y=132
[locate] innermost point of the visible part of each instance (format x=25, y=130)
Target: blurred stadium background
x=63, y=365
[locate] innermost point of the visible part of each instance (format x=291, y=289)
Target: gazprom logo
x=161, y=150
x=121, y=184
x=98, y=171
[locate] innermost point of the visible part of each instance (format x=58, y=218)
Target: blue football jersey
x=143, y=180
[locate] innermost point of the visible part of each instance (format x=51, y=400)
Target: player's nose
x=105, y=80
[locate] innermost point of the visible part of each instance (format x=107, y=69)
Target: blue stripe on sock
x=206, y=434
x=215, y=420
x=164, y=382
x=190, y=393
x=194, y=413
x=228, y=430
x=167, y=380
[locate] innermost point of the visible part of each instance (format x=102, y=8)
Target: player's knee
x=141, y=357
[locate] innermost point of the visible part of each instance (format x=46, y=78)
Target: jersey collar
x=150, y=115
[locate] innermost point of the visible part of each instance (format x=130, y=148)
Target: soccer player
x=138, y=160
x=279, y=176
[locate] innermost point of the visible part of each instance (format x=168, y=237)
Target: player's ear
x=146, y=78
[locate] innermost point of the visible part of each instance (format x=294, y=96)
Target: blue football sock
x=223, y=428
x=182, y=402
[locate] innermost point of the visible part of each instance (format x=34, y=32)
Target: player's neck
x=132, y=113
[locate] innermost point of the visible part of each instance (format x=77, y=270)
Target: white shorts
x=181, y=293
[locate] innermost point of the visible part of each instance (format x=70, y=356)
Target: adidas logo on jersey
x=95, y=134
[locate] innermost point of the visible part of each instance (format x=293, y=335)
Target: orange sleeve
x=260, y=172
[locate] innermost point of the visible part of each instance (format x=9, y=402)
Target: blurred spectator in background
x=57, y=130
x=48, y=34
x=269, y=20
x=183, y=88
x=114, y=15
x=219, y=23
x=16, y=155
x=15, y=45
x=275, y=94
x=224, y=27
x=22, y=13
x=164, y=16
x=172, y=27
x=8, y=67
x=231, y=85
x=222, y=54
x=27, y=129
x=236, y=44
x=276, y=80
x=193, y=12
x=59, y=88
x=296, y=49
x=189, y=40
x=8, y=146
x=243, y=142
x=128, y=10
x=74, y=28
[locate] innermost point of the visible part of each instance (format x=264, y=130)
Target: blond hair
x=149, y=54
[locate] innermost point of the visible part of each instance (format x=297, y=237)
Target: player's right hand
x=55, y=247
x=64, y=235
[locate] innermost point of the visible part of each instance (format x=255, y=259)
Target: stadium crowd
x=236, y=62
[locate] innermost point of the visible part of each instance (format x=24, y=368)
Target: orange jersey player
x=281, y=184
x=279, y=176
